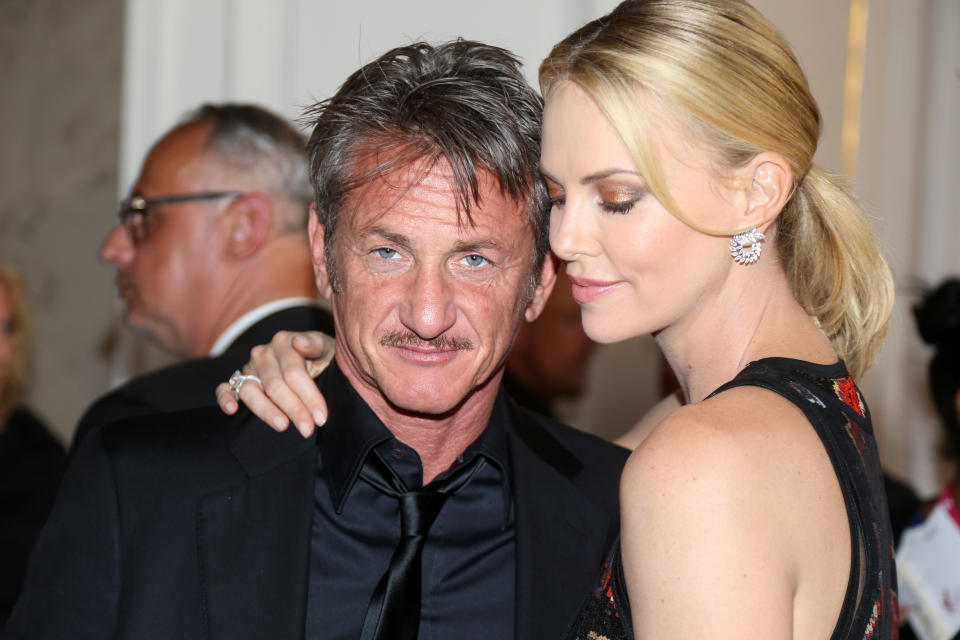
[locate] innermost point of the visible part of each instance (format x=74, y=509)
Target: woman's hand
x=286, y=368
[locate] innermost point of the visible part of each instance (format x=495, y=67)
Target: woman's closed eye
x=619, y=199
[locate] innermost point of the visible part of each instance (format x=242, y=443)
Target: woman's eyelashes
x=555, y=193
x=618, y=207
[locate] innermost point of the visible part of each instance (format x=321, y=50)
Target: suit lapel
x=560, y=533
x=254, y=539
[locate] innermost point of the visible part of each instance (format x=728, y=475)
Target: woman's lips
x=586, y=290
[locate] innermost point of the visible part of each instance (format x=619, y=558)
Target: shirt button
x=397, y=454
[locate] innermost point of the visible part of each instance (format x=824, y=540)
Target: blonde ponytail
x=835, y=268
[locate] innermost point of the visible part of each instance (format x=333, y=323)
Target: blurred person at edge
x=31, y=459
x=211, y=254
x=928, y=558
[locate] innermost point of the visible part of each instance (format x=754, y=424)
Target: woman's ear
x=249, y=221
x=769, y=184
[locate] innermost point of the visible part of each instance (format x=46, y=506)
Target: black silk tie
x=394, y=609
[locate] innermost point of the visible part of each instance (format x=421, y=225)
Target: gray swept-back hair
x=266, y=144
x=463, y=103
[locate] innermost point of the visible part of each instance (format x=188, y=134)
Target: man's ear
x=548, y=278
x=249, y=220
x=768, y=183
x=315, y=232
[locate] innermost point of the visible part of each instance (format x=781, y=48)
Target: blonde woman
x=678, y=149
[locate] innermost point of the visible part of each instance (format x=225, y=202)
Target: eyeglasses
x=134, y=210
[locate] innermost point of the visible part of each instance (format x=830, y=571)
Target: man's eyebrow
x=475, y=245
x=390, y=236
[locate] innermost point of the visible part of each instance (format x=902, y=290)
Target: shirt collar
x=353, y=430
x=250, y=318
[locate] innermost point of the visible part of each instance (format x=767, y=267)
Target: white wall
x=286, y=54
x=60, y=106
x=908, y=175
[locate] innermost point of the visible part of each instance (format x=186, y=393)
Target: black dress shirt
x=469, y=556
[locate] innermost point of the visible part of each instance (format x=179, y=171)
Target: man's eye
x=474, y=260
x=385, y=253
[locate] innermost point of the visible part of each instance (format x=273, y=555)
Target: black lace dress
x=832, y=403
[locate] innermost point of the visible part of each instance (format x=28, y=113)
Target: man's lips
x=426, y=354
x=587, y=290
x=123, y=287
x=439, y=350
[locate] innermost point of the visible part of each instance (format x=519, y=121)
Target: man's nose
x=118, y=248
x=430, y=308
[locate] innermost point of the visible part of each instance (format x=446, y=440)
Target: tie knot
x=418, y=508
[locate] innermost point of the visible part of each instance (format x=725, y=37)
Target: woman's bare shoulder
x=709, y=502
x=639, y=432
x=735, y=437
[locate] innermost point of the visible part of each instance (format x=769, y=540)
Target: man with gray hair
x=211, y=254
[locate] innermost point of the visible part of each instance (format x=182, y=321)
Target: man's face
x=163, y=278
x=426, y=308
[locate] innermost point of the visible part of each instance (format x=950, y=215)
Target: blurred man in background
x=550, y=356
x=211, y=254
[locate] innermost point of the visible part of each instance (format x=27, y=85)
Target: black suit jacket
x=191, y=384
x=196, y=525
x=32, y=461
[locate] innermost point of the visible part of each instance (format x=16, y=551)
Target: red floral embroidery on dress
x=872, y=623
x=846, y=390
x=605, y=590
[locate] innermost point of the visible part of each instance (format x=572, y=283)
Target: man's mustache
x=440, y=343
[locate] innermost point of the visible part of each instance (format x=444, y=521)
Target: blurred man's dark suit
x=191, y=384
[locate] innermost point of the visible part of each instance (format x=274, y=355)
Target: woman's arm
x=702, y=553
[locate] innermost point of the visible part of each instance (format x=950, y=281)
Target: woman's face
x=635, y=268
x=6, y=335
